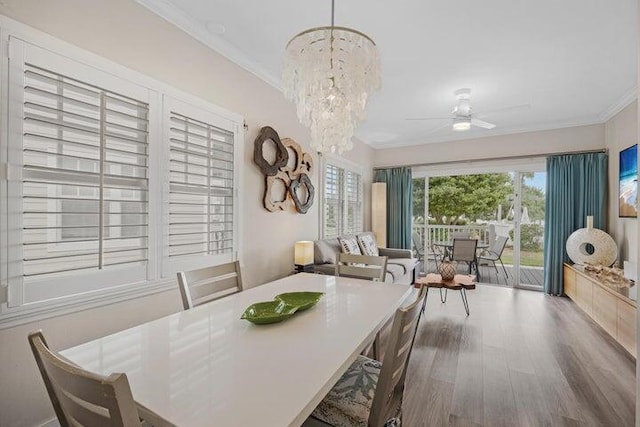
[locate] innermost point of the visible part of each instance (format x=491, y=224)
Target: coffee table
x=461, y=282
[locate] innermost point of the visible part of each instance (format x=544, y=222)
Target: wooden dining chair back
x=83, y=398
x=387, y=399
x=210, y=283
x=464, y=250
x=361, y=267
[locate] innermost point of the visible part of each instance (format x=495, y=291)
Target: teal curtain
x=576, y=187
x=399, y=205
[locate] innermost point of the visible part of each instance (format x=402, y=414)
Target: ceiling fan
x=462, y=114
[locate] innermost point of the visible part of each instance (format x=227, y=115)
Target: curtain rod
x=484, y=159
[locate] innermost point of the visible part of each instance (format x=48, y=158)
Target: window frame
x=343, y=166
x=12, y=309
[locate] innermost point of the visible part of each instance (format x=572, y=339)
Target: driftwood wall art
x=296, y=190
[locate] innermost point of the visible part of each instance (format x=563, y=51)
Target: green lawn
x=527, y=258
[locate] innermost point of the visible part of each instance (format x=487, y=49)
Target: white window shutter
x=82, y=191
x=343, y=201
x=201, y=196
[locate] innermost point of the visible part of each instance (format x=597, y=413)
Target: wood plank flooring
x=528, y=275
x=521, y=358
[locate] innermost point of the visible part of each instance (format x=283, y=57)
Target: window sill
x=15, y=316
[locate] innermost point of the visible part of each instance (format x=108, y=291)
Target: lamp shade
x=303, y=252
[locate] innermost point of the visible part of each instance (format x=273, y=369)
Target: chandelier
x=329, y=72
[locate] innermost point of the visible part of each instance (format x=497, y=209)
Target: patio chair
x=494, y=253
x=464, y=250
x=460, y=235
x=439, y=254
x=418, y=246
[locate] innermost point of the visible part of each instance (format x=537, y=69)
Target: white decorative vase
x=605, y=250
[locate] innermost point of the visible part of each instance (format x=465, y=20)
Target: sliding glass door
x=502, y=205
x=528, y=231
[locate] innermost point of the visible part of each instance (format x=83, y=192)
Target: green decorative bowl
x=262, y=313
x=300, y=300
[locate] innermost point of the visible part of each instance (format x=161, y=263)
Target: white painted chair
x=210, y=283
x=370, y=393
x=361, y=267
x=83, y=398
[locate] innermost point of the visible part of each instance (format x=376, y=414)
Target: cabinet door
x=585, y=294
x=627, y=326
x=604, y=310
x=570, y=282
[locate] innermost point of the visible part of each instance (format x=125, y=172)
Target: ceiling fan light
x=461, y=125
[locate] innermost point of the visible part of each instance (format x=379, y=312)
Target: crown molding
x=625, y=100
x=501, y=132
x=176, y=16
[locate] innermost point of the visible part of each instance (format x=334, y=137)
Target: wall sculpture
x=297, y=191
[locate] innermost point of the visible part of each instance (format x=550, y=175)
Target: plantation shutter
x=84, y=176
x=83, y=181
x=332, y=201
x=353, y=201
x=201, y=186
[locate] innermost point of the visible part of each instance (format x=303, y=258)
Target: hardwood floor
x=528, y=275
x=520, y=359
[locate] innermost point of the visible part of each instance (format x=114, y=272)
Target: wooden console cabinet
x=612, y=308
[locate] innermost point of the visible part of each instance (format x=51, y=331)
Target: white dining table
x=207, y=367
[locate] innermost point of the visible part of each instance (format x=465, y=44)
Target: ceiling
x=573, y=61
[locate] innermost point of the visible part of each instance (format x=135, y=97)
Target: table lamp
x=303, y=255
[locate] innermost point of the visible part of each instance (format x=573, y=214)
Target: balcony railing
x=439, y=233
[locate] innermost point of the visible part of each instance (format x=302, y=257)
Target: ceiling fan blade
x=510, y=109
x=482, y=124
x=439, y=128
x=428, y=118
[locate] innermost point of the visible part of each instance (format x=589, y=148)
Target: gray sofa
x=400, y=262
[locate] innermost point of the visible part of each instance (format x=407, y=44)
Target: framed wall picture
x=628, y=182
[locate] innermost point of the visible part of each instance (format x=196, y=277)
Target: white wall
x=621, y=132
x=128, y=34
x=521, y=144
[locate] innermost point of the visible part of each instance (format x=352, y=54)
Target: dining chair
x=368, y=268
x=494, y=253
x=464, y=250
x=83, y=398
x=370, y=393
x=361, y=267
x=210, y=283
